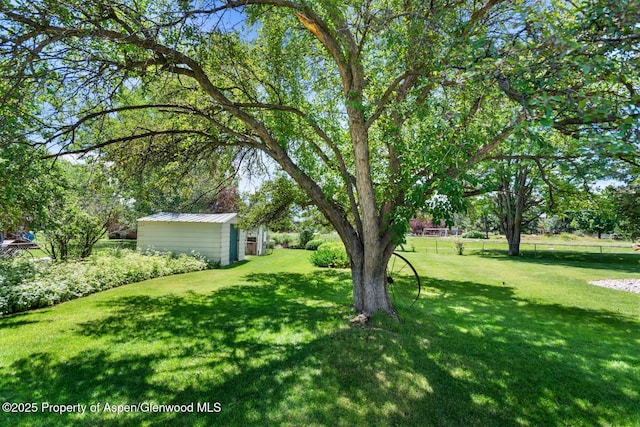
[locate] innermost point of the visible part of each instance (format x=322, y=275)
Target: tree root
x=362, y=318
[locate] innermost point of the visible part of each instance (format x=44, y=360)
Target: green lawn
x=563, y=247
x=492, y=342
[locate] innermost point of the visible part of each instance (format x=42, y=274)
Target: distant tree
x=594, y=222
x=626, y=203
x=305, y=235
x=417, y=225
x=27, y=181
x=537, y=172
x=554, y=224
x=226, y=201
x=518, y=200
x=482, y=215
x=598, y=214
x=79, y=217
x=28, y=184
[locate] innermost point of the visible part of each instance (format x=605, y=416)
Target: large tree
x=370, y=106
x=539, y=172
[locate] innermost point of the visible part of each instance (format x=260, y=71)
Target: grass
x=269, y=339
x=562, y=247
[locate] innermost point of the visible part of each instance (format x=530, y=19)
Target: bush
x=283, y=240
x=474, y=234
x=313, y=245
x=330, y=254
x=305, y=236
x=459, y=246
x=27, y=284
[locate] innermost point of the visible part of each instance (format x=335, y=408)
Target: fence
x=532, y=249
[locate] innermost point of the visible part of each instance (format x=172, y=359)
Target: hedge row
x=27, y=284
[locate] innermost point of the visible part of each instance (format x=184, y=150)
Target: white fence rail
x=532, y=249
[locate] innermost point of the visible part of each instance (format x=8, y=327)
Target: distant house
x=214, y=236
x=426, y=228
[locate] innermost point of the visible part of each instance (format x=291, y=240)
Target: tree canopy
x=28, y=185
x=369, y=106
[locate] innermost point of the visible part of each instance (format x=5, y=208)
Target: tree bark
x=513, y=234
x=369, y=275
x=512, y=204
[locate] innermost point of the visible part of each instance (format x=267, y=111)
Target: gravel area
x=629, y=285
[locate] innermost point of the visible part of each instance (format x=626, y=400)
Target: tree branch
x=127, y=139
x=386, y=97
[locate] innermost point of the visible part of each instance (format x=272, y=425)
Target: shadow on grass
x=15, y=320
x=616, y=262
x=235, y=264
x=16, y=323
x=280, y=351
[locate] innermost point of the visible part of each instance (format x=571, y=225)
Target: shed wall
x=224, y=244
x=203, y=238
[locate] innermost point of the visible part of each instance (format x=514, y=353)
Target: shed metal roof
x=184, y=217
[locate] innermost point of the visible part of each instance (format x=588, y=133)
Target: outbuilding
x=216, y=237
x=257, y=240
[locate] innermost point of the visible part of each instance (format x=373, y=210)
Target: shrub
x=15, y=271
x=474, y=234
x=305, y=236
x=26, y=284
x=313, y=245
x=283, y=240
x=330, y=254
x=459, y=246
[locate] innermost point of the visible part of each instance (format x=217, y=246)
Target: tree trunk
x=513, y=237
x=369, y=275
x=486, y=228
x=511, y=222
x=513, y=202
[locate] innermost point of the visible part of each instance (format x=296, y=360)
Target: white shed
x=214, y=236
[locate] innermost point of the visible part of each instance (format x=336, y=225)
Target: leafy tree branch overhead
x=370, y=106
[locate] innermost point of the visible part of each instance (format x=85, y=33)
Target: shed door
x=233, y=243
